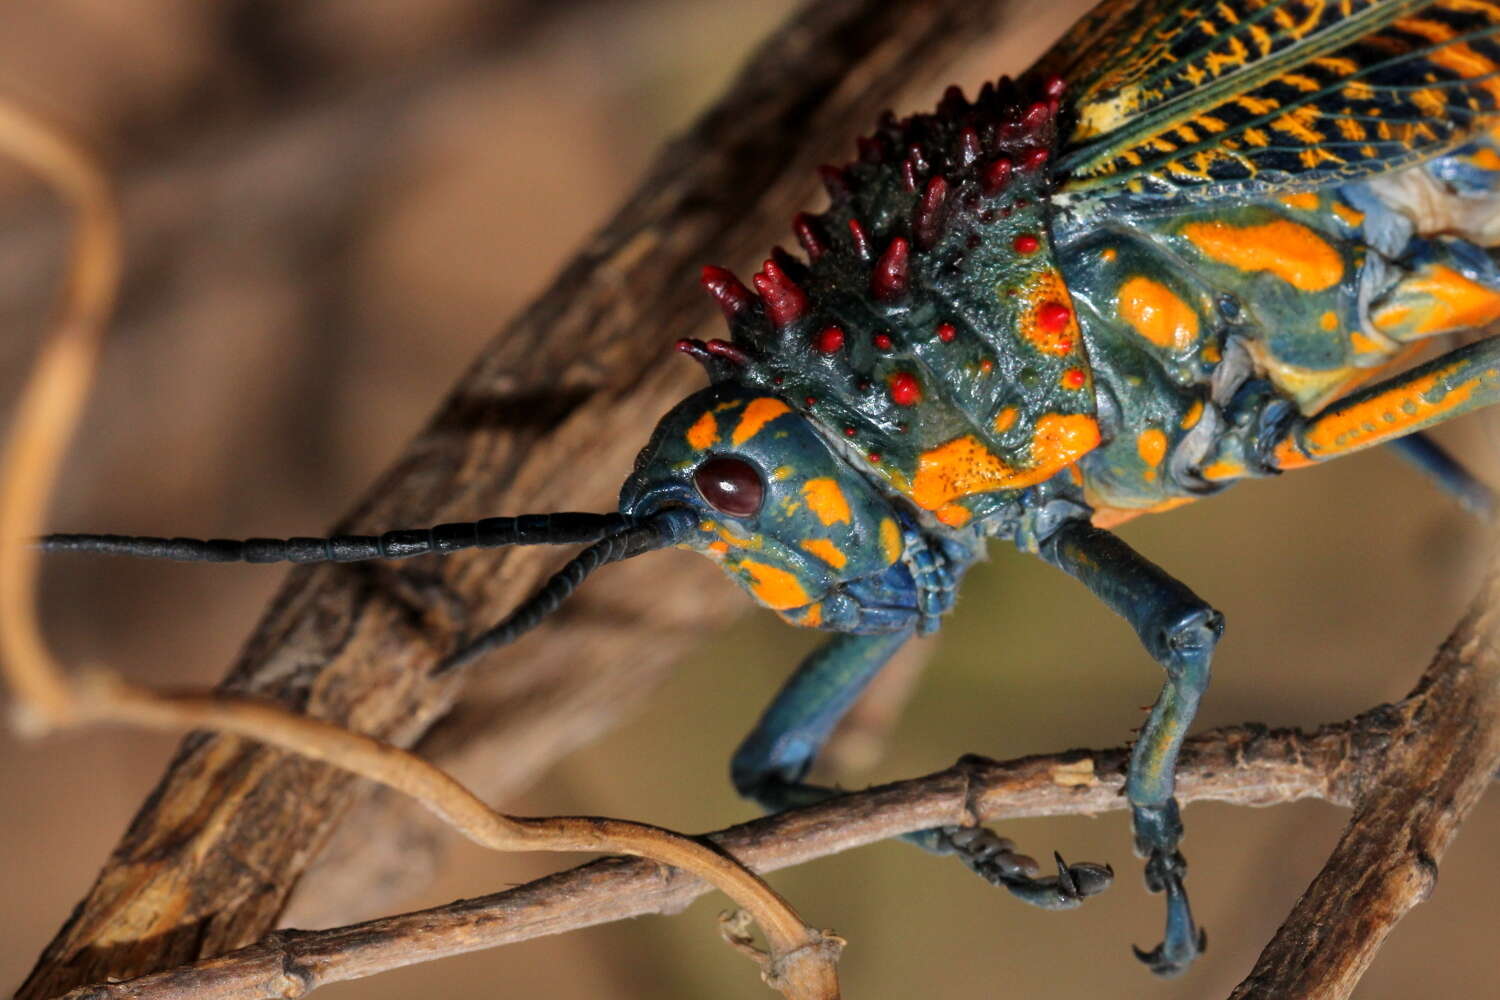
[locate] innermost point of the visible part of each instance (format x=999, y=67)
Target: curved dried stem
x=801, y=961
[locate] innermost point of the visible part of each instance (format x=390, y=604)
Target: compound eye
x=730, y=485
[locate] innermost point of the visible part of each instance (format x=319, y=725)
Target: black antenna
x=659, y=531
x=490, y=533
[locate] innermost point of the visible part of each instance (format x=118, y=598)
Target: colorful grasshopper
x=1159, y=263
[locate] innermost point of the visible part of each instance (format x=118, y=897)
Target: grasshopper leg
x=1180, y=631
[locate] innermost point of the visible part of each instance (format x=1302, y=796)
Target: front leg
x=1180, y=631
x=770, y=765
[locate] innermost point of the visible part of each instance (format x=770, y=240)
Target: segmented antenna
x=489, y=533
x=659, y=531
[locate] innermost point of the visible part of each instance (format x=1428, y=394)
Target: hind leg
x=1447, y=473
x=1449, y=386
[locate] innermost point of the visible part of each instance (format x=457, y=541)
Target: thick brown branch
x=209, y=860
x=1245, y=765
x=1443, y=751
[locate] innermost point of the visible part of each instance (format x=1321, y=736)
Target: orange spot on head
x=1109, y=255
x=1157, y=314
x=1005, y=419
x=704, y=432
x=826, y=499
x=774, y=587
x=1074, y=378
x=758, y=413
x=1289, y=250
x=826, y=551
x=891, y=545
x=1329, y=321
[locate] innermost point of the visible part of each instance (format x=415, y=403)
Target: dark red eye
x=730, y=485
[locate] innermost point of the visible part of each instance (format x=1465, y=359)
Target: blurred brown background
x=446, y=156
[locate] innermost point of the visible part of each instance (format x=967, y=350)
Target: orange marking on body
x=704, y=432
x=953, y=515
x=1190, y=418
x=1349, y=215
x=1005, y=419
x=1329, y=321
x=1046, y=322
x=774, y=587
x=1289, y=250
x=1304, y=200
x=1109, y=255
x=826, y=551
x=1485, y=158
x=719, y=548
x=1456, y=303
x=826, y=499
x=891, y=545
x=1157, y=314
x=1386, y=415
x=1074, y=378
x=1224, y=468
x=1109, y=517
x=1151, y=445
x=1364, y=345
x=757, y=414
x=812, y=617
x=964, y=466
x=1288, y=456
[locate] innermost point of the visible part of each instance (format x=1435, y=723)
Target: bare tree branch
x=1244, y=765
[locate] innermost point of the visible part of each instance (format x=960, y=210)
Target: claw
x=1183, y=941
x=994, y=859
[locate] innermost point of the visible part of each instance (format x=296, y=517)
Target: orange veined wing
x=1206, y=97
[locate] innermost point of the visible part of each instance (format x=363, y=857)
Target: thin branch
x=1244, y=765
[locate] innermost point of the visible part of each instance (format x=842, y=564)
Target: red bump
x=968, y=146
x=1037, y=116
x=861, y=241
x=729, y=352
x=882, y=341
x=909, y=175
x=873, y=456
x=1055, y=87
x=1053, y=316
x=830, y=340
x=1074, y=378
x=996, y=175
x=1026, y=243
x=848, y=432
x=946, y=333
x=1034, y=159
x=732, y=296
x=805, y=227
x=892, y=272
x=785, y=300
x=811, y=400
x=905, y=389
x=927, y=225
